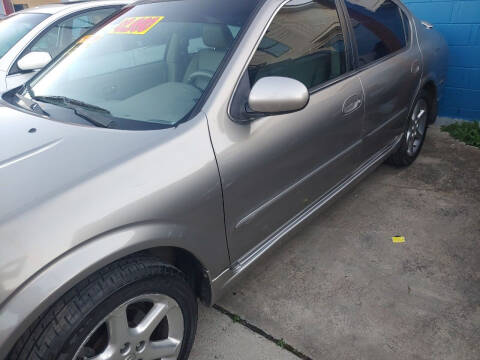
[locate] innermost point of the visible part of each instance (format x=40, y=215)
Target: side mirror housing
x=275, y=95
x=34, y=61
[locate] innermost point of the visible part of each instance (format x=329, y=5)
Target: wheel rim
x=148, y=327
x=416, y=127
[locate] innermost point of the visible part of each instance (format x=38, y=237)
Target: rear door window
x=378, y=29
x=304, y=42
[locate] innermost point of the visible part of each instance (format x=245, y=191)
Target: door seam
x=221, y=189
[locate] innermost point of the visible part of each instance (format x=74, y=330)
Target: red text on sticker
x=136, y=25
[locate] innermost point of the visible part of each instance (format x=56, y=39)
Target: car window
x=304, y=42
x=150, y=64
x=15, y=27
x=62, y=34
x=378, y=29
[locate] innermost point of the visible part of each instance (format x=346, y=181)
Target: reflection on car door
x=391, y=69
x=278, y=166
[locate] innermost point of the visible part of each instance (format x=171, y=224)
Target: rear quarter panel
x=435, y=55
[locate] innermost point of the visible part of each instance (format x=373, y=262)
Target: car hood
x=64, y=184
x=40, y=158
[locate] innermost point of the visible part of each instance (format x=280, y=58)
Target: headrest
x=217, y=36
x=177, y=48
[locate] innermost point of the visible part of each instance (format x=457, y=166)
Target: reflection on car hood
x=40, y=158
x=63, y=184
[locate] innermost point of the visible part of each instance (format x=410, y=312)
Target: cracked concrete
x=340, y=289
x=218, y=337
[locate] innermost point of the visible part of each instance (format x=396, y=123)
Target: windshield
x=15, y=27
x=150, y=63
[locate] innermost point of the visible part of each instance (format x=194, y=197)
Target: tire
x=416, y=129
x=85, y=321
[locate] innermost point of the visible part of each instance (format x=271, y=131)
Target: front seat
x=219, y=39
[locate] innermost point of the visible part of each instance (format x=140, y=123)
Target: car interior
x=171, y=70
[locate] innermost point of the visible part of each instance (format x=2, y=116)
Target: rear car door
x=277, y=167
x=390, y=68
x=57, y=38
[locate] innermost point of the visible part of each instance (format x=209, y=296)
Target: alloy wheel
x=417, y=127
x=147, y=327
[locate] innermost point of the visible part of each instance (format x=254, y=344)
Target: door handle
x=351, y=104
x=415, y=68
x=427, y=25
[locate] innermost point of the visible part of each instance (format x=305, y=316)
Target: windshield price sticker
x=136, y=25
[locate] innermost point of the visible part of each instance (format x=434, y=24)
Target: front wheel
x=136, y=308
x=414, y=134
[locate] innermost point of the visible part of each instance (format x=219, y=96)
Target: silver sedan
x=166, y=151
x=30, y=38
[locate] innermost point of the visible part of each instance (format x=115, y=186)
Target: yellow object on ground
x=398, y=239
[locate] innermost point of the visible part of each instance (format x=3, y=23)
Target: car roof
x=59, y=7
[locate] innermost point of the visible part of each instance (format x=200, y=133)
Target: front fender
x=49, y=284
x=95, y=196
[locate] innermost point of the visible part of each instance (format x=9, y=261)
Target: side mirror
x=34, y=61
x=275, y=94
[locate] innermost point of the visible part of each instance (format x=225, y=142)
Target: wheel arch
x=198, y=275
x=42, y=290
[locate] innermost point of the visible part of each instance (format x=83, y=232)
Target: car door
x=56, y=38
x=390, y=69
x=277, y=167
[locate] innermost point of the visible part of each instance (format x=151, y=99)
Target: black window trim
x=405, y=48
x=13, y=69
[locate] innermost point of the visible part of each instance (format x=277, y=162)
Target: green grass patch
x=468, y=132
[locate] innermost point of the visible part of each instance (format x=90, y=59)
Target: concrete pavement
x=341, y=289
x=218, y=337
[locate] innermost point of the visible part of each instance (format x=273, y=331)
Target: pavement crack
x=279, y=342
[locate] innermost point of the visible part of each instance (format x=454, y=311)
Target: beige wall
x=32, y=3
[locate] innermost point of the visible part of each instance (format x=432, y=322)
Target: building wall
x=23, y=4
x=459, y=22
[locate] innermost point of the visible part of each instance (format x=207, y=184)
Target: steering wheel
x=199, y=74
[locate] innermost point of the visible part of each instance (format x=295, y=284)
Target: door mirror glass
x=34, y=61
x=276, y=94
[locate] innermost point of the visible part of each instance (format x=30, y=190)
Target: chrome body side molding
x=221, y=283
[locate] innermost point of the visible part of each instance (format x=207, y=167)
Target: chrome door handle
x=427, y=24
x=351, y=104
x=415, y=68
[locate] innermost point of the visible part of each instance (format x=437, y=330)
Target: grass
x=468, y=132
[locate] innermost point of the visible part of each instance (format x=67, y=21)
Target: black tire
x=401, y=156
x=61, y=330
